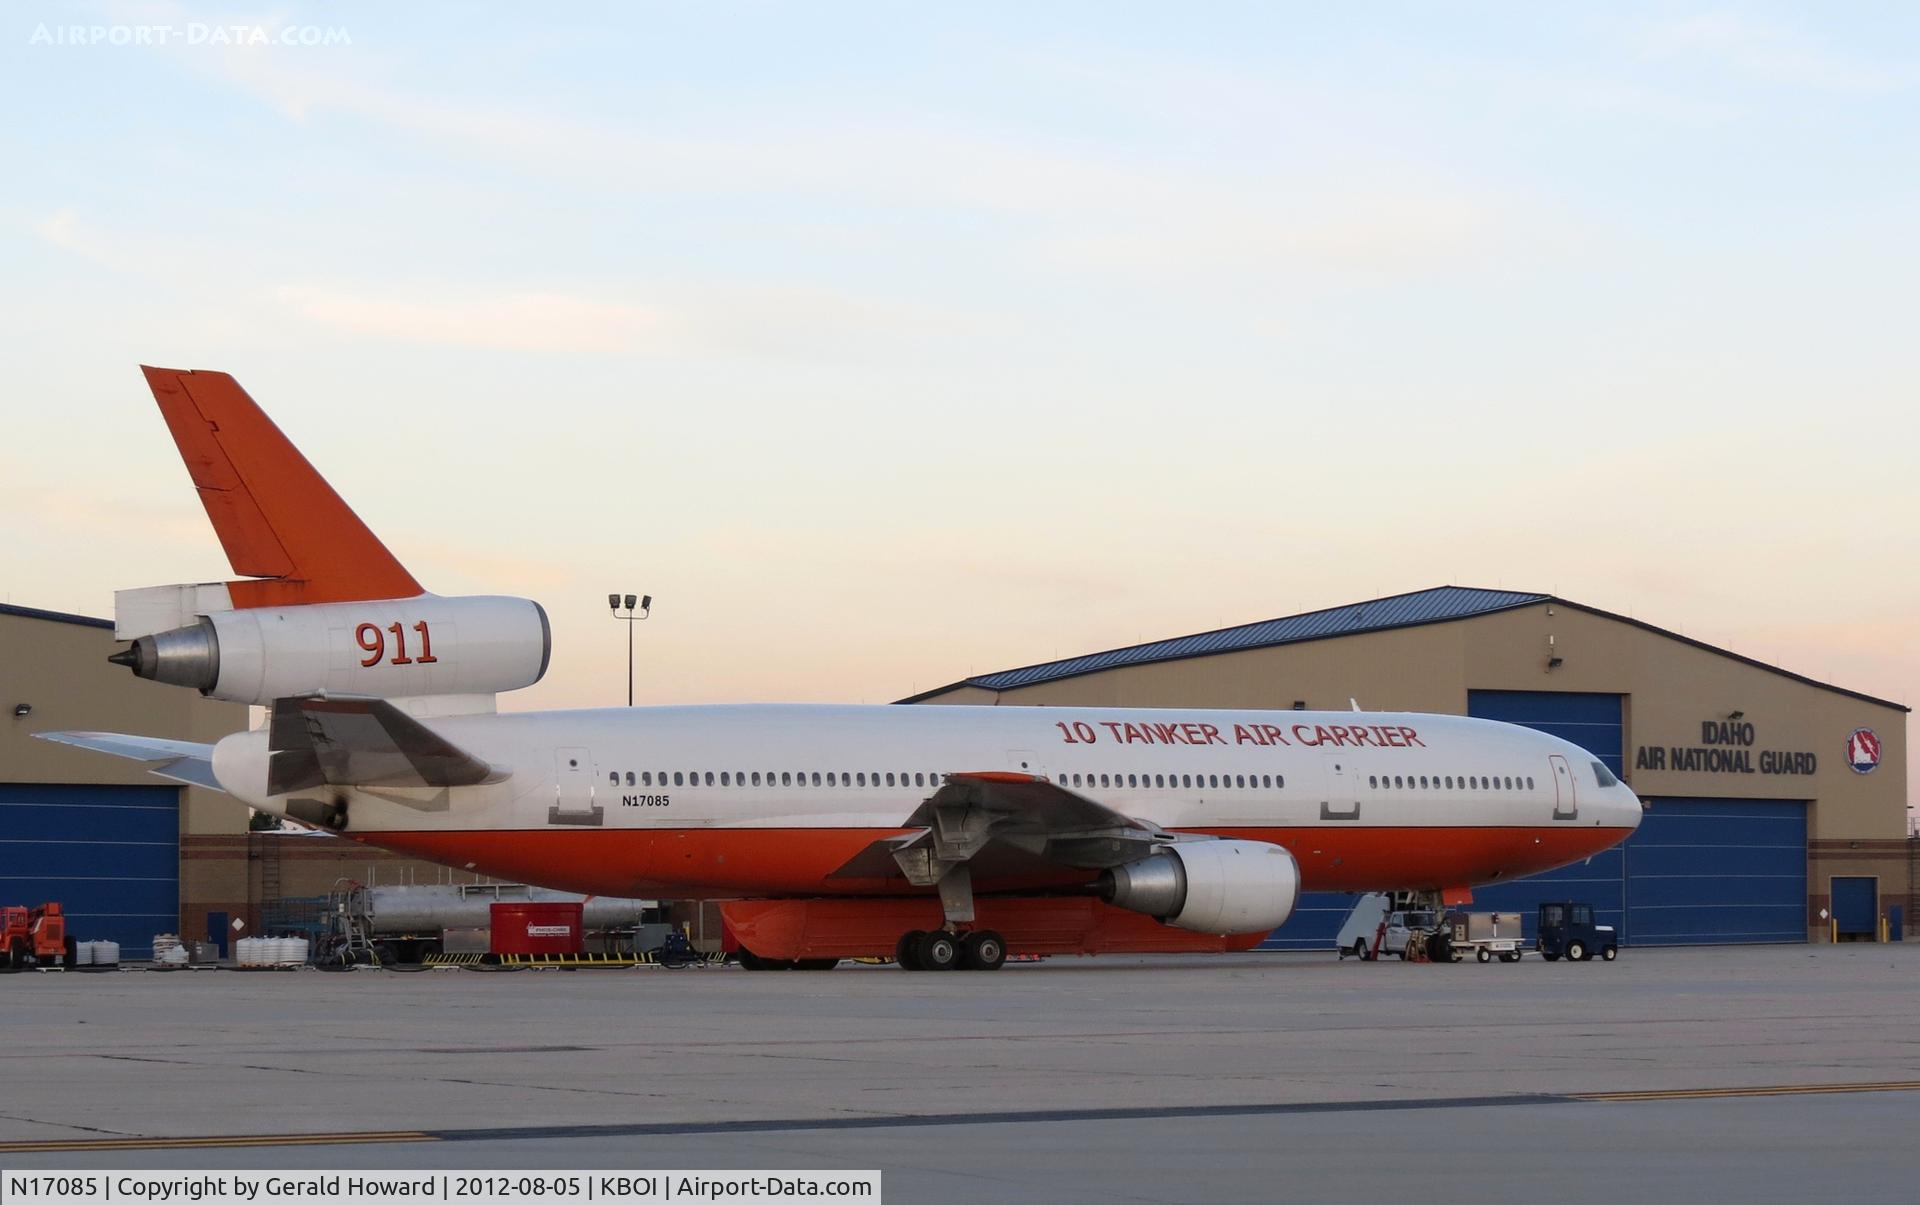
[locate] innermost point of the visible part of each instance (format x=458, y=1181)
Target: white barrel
x=83, y=954
x=301, y=948
x=106, y=953
x=243, y=951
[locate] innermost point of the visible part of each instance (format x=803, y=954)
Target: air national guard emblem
x=1863, y=751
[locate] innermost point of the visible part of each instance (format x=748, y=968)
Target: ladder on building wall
x=267, y=850
x=269, y=869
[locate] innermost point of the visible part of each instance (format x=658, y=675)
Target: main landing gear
x=941, y=950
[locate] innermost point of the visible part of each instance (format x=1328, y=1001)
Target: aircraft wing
x=1004, y=820
x=362, y=742
x=181, y=761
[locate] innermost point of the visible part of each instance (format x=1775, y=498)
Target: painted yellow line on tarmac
x=136, y=1143
x=1769, y=1090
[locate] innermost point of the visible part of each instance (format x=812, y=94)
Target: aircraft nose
x=1632, y=807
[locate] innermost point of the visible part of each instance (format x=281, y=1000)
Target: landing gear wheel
x=1360, y=950
x=983, y=950
x=938, y=951
x=1609, y=953
x=1483, y=954
x=906, y=951
x=1576, y=951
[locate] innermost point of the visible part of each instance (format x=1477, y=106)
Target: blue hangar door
x=109, y=855
x=1696, y=872
x=1590, y=721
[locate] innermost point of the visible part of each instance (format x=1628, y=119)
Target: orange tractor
x=34, y=937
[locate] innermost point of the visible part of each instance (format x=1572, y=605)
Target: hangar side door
x=1565, y=805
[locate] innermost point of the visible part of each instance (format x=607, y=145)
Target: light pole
x=616, y=602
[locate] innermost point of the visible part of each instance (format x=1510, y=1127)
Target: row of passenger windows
x=1449, y=782
x=772, y=778
x=1161, y=782
x=831, y=778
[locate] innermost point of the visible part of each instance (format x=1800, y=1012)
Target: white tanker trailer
x=407, y=923
x=417, y=911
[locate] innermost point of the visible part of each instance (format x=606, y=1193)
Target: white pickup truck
x=1363, y=928
x=1406, y=928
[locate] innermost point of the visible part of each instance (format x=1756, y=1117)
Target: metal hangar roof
x=54, y=616
x=1396, y=611
x=1440, y=604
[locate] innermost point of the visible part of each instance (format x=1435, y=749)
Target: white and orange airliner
x=943, y=836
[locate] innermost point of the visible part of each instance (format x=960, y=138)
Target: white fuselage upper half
x=869, y=767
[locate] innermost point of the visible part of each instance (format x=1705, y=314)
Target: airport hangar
x=1733, y=849
x=128, y=855
x=1776, y=804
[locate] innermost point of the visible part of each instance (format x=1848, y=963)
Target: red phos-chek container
x=546, y=928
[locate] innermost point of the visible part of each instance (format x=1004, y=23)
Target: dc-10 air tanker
x=940, y=836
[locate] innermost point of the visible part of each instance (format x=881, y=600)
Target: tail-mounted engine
x=392, y=648
x=1209, y=886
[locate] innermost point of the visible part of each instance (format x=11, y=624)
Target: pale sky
x=887, y=344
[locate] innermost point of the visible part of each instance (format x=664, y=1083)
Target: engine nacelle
x=392, y=648
x=1209, y=886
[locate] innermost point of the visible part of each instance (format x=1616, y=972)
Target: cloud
x=1303, y=201
x=679, y=320
x=1356, y=233
x=520, y=320
x=1773, y=54
x=64, y=230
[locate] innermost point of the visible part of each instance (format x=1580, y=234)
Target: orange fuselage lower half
x=736, y=863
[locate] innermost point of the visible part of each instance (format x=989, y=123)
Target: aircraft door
x=1338, y=800
x=1565, y=805
x=573, y=789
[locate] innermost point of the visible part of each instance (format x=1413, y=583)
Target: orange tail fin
x=276, y=516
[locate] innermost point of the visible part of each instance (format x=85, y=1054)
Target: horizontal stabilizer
x=182, y=761
x=362, y=742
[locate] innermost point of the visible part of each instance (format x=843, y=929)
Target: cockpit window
x=1603, y=776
